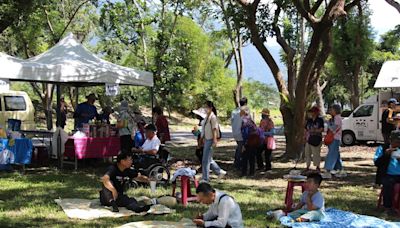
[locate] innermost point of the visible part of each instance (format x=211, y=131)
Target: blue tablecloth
x=22, y=150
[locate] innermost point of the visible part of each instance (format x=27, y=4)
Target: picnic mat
x=184, y=223
x=335, y=218
x=92, y=209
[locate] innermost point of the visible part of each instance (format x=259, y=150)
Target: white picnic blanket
x=87, y=209
x=184, y=223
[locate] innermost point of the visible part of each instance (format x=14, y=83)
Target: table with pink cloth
x=81, y=148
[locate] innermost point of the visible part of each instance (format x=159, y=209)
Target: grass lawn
x=28, y=200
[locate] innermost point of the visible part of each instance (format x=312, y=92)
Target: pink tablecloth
x=92, y=147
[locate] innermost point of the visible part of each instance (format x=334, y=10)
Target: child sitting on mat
x=311, y=206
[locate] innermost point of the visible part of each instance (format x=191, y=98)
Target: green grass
x=28, y=200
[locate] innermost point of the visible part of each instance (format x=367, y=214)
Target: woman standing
x=209, y=135
x=126, y=126
x=333, y=162
x=314, y=129
x=268, y=127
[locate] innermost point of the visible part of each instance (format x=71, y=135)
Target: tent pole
x=58, y=124
x=76, y=102
x=152, y=104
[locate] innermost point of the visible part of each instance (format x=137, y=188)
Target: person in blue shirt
x=140, y=136
x=312, y=204
x=85, y=111
x=389, y=163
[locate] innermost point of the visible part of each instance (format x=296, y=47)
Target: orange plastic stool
x=187, y=195
x=289, y=192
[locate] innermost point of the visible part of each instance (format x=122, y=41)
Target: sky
x=384, y=17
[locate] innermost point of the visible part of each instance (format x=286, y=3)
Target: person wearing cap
x=387, y=159
x=152, y=143
x=388, y=124
x=267, y=125
x=85, y=111
x=314, y=128
x=236, y=123
x=126, y=127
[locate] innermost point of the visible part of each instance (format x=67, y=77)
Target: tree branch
x=70, y=20
x=279, y=38
x=304, y=13
x=395, y=4
x=316, y=7
x=352, y=4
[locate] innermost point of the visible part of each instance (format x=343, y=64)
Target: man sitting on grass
x=223, y=212
x=311, y=206
x=117, y=175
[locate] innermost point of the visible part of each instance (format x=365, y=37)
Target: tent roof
x=69, y=62
x=389, y=76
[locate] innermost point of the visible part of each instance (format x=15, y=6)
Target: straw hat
x=265, y=111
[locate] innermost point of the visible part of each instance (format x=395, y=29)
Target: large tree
x=265, y=19
x=352, y=47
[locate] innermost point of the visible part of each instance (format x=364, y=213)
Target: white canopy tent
x=389, y=76
x=69, y=62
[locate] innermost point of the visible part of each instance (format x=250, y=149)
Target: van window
x=364, y=111
x=14, y=103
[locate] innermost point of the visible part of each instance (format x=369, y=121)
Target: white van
x=364, y=123
x=17, y=105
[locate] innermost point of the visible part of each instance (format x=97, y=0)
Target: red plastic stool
x=185, y=189
x=395, y=198
x=289, y=192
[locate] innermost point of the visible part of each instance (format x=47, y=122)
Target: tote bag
x=271, y=144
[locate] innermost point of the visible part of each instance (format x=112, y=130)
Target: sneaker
x=222, y=173
x=326, y=175
x=341, y=173
x=334, y=172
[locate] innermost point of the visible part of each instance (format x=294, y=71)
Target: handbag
x=271, y=144
x=330, y=136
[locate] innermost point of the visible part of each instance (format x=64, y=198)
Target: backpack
x=254, y=134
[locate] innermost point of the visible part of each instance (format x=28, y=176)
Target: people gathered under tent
x=85, y=111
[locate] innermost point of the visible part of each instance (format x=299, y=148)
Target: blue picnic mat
x=335, y=218
x=21, y=148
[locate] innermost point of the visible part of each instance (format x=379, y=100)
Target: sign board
x=112, y=89
x=4, y=85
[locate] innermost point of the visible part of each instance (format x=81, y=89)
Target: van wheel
x=348, y=138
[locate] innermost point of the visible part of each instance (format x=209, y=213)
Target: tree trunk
x=320, y=97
